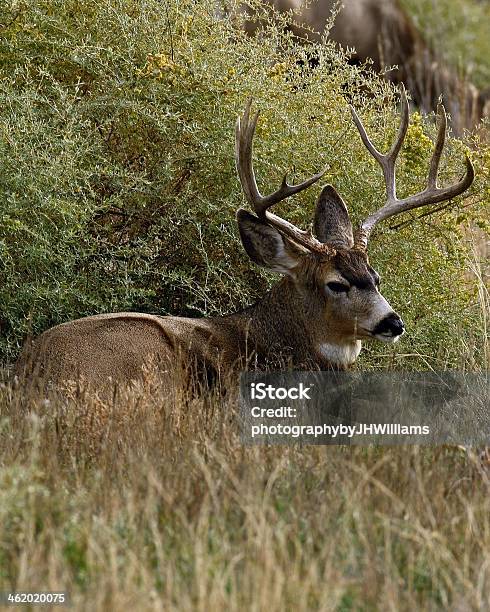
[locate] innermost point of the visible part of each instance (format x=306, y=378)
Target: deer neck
x=285, y=326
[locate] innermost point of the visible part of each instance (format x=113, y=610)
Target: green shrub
x=118, y=184
x=457, y=30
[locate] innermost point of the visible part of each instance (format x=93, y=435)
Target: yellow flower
x=278, y=69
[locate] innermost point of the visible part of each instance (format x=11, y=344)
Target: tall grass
x=150, y=501
x=154, y=504
x=118, y=191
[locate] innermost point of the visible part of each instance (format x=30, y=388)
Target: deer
x=381, y=31
x=315, y=318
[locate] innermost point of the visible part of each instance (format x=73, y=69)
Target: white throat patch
x=340, y=354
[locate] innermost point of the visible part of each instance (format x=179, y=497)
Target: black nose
x=391, y=324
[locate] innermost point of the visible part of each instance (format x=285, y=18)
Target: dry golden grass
x=149, y=501
x=156, y=505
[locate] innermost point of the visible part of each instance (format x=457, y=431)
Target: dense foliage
x=118, y=191
x=117, y=182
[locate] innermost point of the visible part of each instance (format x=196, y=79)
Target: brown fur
x=284, y=328
x=383, y=31
x=312, y=319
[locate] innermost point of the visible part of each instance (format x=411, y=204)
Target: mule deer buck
x=315, y=318
x=382, y=30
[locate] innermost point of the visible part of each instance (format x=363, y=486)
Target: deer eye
x=338, y=287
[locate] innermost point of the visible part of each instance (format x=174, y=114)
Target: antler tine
x=244, y=133
x=386, y=160
x=245, y=130
x=428, y=196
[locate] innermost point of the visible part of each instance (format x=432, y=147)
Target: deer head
x=330, y=265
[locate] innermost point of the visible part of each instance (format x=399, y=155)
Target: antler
x=244, y=133
x=432, y=194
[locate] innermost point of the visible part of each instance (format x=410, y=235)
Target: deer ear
x=265, y=245
x=332, y=223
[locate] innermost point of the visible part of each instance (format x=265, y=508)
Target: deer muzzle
x=390, y=328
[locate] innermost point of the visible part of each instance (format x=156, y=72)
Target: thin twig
x=418, y=217
x=7, y=25
x=169, y=31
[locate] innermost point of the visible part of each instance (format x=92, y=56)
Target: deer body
x=286, y=327
x=381, y=30
x=327, y=302
x=358, y=25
